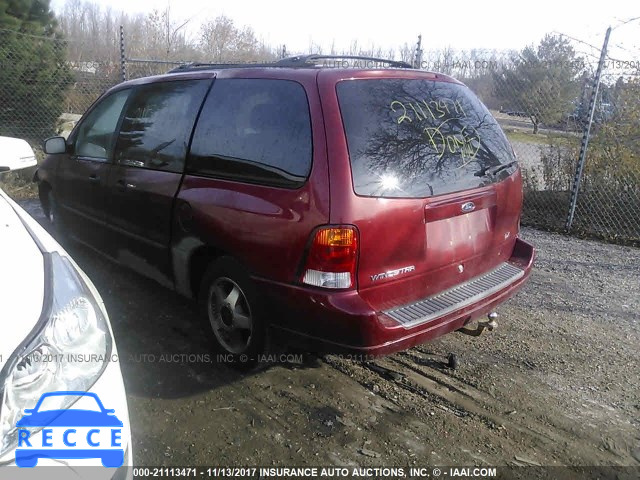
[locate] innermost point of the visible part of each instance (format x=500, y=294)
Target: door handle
x=122, y=185
x=93, y=178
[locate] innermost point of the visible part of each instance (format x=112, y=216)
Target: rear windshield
x=418, y=138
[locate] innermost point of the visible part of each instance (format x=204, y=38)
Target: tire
x=230, y=304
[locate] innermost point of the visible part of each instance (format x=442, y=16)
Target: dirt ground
x=557, y=383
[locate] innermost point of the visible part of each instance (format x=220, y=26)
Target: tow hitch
x=489, y=324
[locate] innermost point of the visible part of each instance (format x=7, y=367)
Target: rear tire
x=230, y=304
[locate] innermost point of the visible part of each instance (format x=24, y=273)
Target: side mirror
x=15, y=154
x=55, y=145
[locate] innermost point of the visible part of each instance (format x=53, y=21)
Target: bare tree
x=406, y=53
x=221, y=41
x=166, y=36
x=93, y=33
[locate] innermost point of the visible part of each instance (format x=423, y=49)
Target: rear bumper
x=342, y=322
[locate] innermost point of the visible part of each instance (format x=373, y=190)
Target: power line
x=576, y=40
x=619, y=45
x=625, y=22
x=597, y=48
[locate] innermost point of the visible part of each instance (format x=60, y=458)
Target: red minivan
x=367, y=208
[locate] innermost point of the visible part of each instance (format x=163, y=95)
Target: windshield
x=418, y=138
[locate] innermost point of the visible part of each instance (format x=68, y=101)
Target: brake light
x=332, y=259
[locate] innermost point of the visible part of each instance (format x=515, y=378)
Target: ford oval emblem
x=468, y=207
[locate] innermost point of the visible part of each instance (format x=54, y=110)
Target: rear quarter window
x=419, y=138
x=254, y=131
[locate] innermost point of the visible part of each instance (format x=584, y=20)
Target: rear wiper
x=493, y=170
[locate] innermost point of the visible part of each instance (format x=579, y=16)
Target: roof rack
x=188, y=67
x=313, y=60
x=300, y=61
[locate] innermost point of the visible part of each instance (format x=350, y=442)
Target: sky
x=462, y=24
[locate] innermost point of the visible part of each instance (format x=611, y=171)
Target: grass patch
x=19, y=185
x=542, y=139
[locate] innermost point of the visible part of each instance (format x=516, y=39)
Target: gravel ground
x=557, y=383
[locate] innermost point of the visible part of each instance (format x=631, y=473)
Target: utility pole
x=587, y=133
x=123, y=59
x=417, y=62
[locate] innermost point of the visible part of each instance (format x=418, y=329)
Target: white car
x=56, y=337
x=15, y=154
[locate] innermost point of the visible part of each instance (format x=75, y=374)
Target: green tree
x=33, y=70
x=541, y=82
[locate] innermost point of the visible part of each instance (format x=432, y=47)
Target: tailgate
x=437, y=190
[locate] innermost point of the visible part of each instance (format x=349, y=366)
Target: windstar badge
x=392, y=273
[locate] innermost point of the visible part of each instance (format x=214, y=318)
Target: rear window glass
x=418, y=138
x=255, y=131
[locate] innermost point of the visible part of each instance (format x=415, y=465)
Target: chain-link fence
x=41, y=92
x=608, y=204
x=540, y=96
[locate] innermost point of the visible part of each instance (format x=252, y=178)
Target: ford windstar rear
x=355, y=209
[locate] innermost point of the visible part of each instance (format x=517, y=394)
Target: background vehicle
x=363, y=210
x=53, y=321
x=16, y=154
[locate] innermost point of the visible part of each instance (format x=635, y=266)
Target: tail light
x=332, y=258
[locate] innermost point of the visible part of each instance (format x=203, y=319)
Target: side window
x=97, y=131
x=157, y=124
x=254, y=130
